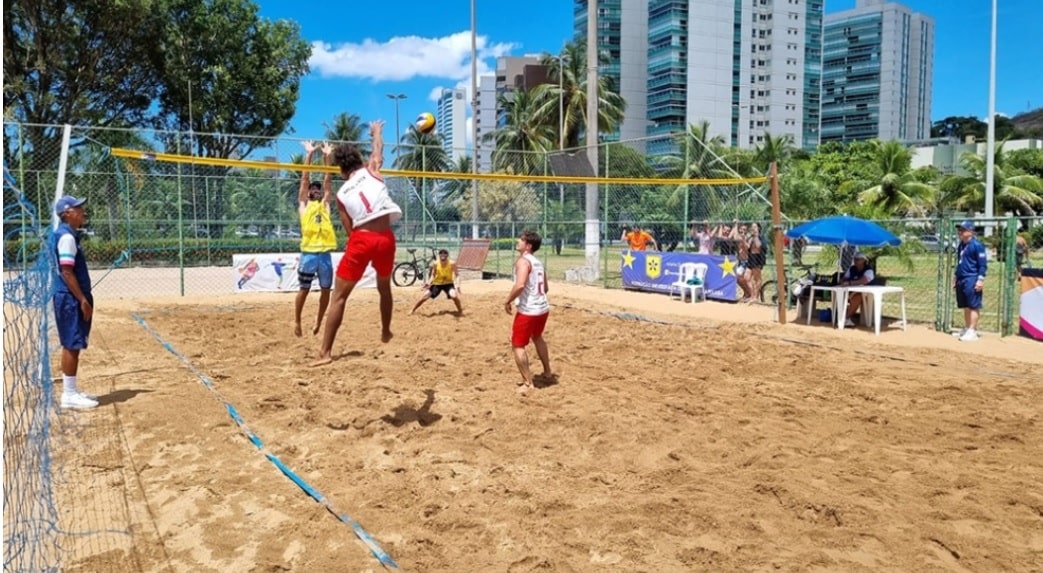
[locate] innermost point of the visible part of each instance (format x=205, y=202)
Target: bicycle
x=769, y=289
x=407, y=273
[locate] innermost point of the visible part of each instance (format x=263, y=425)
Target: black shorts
x=757, y=260
x=449, y=290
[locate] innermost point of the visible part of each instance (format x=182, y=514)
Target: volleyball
x=425, y=122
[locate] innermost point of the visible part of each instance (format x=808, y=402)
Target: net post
x=780, y=263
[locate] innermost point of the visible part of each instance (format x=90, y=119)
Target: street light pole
x=398, y=134
x=474, y=121
x=990, y=145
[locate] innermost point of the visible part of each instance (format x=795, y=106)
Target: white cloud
x=405, y=58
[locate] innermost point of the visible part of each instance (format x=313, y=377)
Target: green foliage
x=1028, y=161
x=1035, y=237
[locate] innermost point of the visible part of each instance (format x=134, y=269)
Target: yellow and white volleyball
x=425, y=122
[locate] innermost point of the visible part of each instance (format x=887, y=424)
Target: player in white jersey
x=530, y=294
x=367, y=212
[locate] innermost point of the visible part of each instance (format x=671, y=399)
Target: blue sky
x=362, y=53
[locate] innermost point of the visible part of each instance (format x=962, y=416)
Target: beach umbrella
x=845, y=230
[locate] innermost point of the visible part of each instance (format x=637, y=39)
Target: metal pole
x=990, y=147
x=561, y=100
x=592, y=228
x=780, y=262
x=561, y=126
x=474, y=122
x=398, y=132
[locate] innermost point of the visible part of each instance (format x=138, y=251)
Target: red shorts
x=365, y=248
x=526, y=327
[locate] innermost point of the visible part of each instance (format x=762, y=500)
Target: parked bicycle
x=769, y=291
x=407, y=273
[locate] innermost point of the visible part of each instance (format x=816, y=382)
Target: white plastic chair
x=685, y=273
x=700, y=273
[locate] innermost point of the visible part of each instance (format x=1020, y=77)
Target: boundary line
x=361, y=533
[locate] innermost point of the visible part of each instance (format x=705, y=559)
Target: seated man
x=857, y=275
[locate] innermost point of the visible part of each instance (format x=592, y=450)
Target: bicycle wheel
x=769, y=292
x=405, y=274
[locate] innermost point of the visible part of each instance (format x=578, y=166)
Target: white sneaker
x=960, y=333
x=78, y=401
x=849, y=323
x=969, y=336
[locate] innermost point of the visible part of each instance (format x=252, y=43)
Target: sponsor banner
x=277, y=272
x=655, y=271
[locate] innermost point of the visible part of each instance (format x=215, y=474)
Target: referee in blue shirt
x=969, y=281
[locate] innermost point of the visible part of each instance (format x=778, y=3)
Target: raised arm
x=376, y=156
x=327, y=179
x=309, y=155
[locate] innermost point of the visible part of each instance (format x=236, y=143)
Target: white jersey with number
x=364, y=197
x=533, y=299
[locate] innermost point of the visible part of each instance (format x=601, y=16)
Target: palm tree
x=523, y=141
x=896, y=190
x=347, y=127
x=774, y=150
x=1012, y=190
x=568, y=74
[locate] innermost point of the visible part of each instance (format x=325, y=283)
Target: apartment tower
x=450, y=114
x=748, y=68
x=877, y=70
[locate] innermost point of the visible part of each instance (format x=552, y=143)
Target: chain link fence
x=178, y=223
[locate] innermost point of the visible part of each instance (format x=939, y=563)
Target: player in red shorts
x=367, y=212
x=530, y=293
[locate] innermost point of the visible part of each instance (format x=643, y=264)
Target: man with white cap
x=857, y=275
x=73, y=303
x=971, y=264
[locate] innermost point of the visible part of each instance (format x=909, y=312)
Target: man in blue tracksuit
x=970, y=279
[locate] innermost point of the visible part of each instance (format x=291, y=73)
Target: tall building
x=485, y=121
x=510, y=75
x=623, y=39
x=749, y=68
x=452, y=122
x=877, y=70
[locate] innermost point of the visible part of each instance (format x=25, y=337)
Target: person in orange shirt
x=637, y=239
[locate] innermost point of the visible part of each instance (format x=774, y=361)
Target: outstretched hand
x=376, y=127
x=309, y=146
x=327, y=148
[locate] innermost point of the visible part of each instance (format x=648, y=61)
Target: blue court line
x=361, y=533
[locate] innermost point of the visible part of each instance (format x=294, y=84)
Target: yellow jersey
x=317, y=234
x=443, y=274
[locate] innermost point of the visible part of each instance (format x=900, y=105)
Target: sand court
x=679, y=437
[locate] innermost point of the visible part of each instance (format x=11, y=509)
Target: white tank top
x=364, y=197
x=533, y=300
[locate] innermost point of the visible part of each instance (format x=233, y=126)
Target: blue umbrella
x=844, y=230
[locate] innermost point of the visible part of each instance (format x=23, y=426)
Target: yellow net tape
x=222, y=162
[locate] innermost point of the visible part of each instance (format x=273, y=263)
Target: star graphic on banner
x=628, y=259
x=727, y=267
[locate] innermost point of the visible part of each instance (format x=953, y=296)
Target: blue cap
x=67, y=202
x=967, y=225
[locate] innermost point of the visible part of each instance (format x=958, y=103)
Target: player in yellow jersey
x=318, y=239
x=442, y=277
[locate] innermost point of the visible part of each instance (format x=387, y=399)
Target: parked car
x=933, y=244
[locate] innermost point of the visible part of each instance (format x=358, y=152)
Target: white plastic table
x=838, y=291
x=878, y=293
